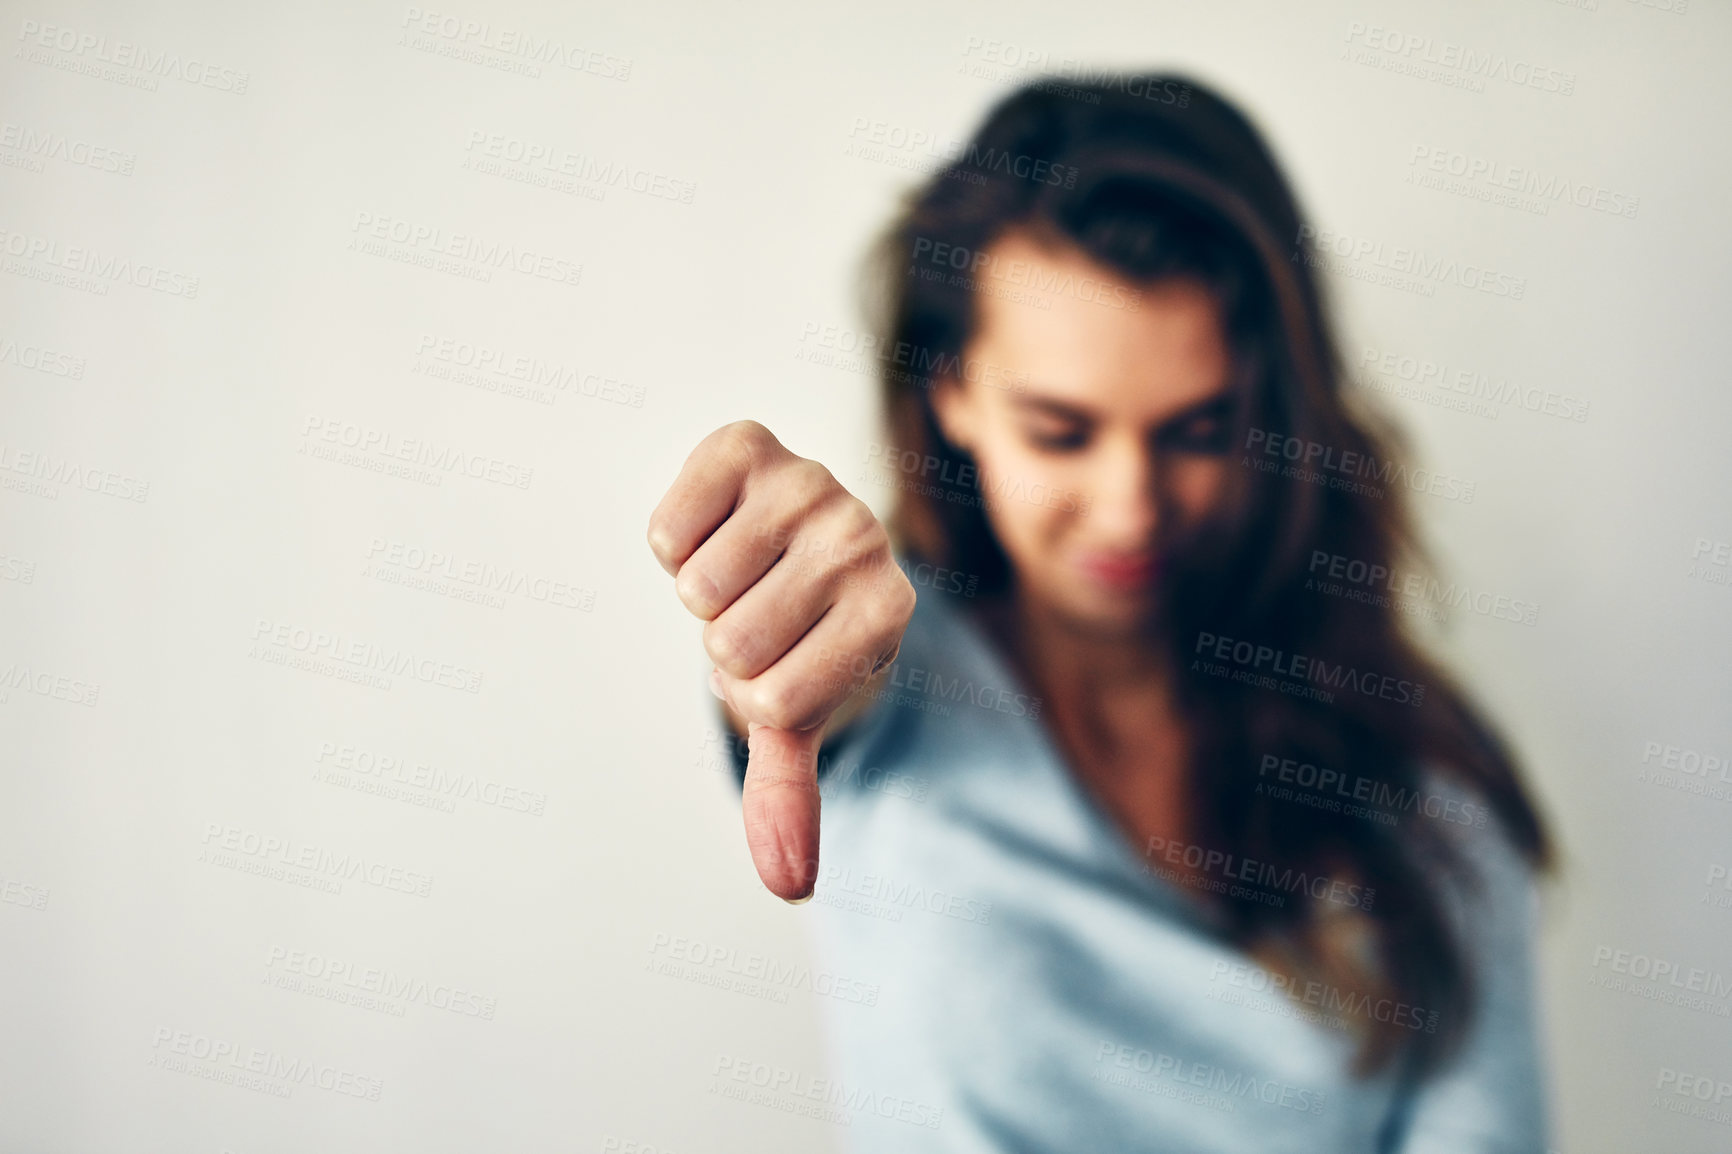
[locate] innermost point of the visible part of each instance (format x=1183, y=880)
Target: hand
x=804, y=604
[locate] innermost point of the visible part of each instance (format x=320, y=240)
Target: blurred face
x=1126, y=409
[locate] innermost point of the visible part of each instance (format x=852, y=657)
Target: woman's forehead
x=1136, y=357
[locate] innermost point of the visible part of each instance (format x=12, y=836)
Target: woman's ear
x=953, y=403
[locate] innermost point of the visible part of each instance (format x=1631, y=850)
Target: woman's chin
x=1114, y=612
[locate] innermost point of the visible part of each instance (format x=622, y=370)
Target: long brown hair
x=1156, y=177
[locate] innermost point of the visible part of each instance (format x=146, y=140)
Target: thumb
x=780, y=806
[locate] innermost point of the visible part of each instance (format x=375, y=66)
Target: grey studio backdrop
x=355, y=786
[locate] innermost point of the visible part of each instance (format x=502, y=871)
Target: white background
x=107, y=810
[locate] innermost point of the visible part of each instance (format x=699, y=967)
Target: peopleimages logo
x=1336, y=574
x=830, y=1099
x=19, y=893
x=224, y=842
x=554, y=161
x=363, y=657
x=1258, y=874
x=1500, y=182
x=870, y=138
x=920, y=684
x=929, y=475
x=154, y=64
x=1428, y=58
x=1347, y=470
x=429, y=245
x=968, y=264
x=42, y=360
x=1317, y=247
x=91, y=269
x=479, y=578
x=1230, y=1084
x=388, y=769
x=803, y=553
x=901, y=894
x=219, y=1059
x=517, y=374
x=323, y=975
x=1336, y=791
x=1328, y=999
x=40, y=144
x=54, y=471
x=1701, y=1087
x=1253, y=658
x=1427, y=374
x=515, y=44
x=44, y=683
x=391, y=448
x=707, y=963
x=836, y=347
x=999, y=60
x=1668, y=972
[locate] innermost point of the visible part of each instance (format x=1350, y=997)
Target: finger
x=707, y=490
x=737, y=554
x=811, y=681
x=767, y=621
x=773, y=516
x=780, y=806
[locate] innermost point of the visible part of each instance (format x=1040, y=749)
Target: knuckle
x=886, y=613
x=659, y=539
x=863, y=531
x=890, y=655
x=826, y=478
x=696, y=591
x=870, y=620
x=729, y=647
x=812, y=484
x=781, y=705
x=903, y=600
x=751, y=440
x=859, y=542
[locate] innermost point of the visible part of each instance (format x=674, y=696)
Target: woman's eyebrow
x=1052, y=407
x=1209, y=406
x=1213, y=407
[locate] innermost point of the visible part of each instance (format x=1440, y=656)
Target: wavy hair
x=1156, y=177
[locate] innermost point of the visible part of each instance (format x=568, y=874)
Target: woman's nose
x=1125, y=503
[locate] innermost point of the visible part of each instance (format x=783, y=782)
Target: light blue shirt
x=1039, y=990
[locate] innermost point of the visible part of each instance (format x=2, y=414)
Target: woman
x=1191, y=847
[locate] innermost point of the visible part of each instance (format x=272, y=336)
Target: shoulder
x=1493, y=892
x=1492, y=1093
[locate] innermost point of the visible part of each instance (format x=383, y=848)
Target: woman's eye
x=1058, y=442
x=1204, y=436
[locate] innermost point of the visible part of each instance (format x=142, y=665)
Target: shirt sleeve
x=1491, y=1098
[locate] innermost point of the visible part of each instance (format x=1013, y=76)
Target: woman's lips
x=1121, y=571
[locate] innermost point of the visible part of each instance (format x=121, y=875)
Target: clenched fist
x=793, y=632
